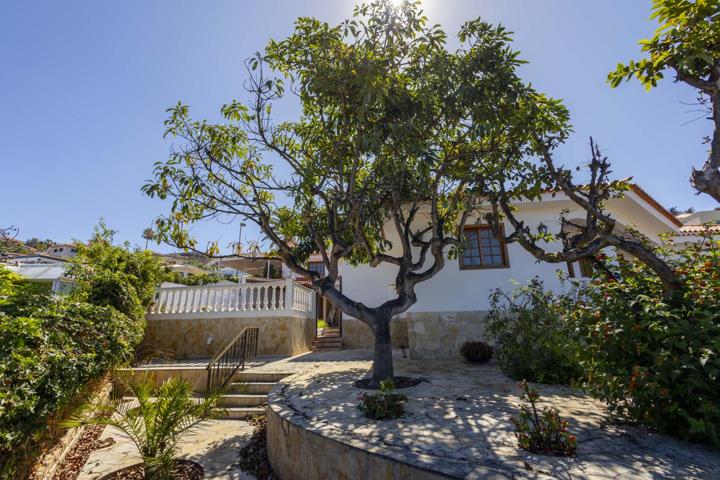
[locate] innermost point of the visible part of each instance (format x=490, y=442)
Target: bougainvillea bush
x=652, y=357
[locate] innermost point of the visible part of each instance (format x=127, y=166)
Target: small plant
x=384, y=405
x=542, y=432
x=155, y=419
x=476, y=352
x=322, y=323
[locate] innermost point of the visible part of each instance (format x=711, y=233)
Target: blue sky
x=84, y=86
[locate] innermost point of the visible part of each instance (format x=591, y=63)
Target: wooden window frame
x=503, y=249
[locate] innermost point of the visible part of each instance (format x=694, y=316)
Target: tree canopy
x=398, y=140
x=687, y=43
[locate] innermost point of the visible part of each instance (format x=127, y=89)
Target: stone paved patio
x=215, y=445
x=458, y=424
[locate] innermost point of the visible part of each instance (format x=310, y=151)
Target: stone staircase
x=246, y=396
x=328, y=340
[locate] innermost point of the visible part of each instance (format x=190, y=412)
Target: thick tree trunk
x=382, y=357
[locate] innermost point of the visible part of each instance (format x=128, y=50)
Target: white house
x=451, y=305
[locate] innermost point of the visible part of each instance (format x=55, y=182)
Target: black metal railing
x=232, y=358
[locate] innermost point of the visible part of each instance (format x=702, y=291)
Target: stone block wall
x=426, y=334
x=440, y=334
x=203, y=337
x=356, y=334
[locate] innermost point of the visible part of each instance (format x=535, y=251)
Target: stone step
x=241, y=413
x=255, y=377
x=328, y=340
x=326, y=349
x=251, y=387
x=231, y=400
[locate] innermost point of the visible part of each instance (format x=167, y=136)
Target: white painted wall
x=453, y=289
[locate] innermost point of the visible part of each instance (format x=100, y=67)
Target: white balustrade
x=281, y=297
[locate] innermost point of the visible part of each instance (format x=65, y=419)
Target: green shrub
x=19, y=297
x=384, y=405
x=111, y=289
x=193, y=280
x=542, y=432
x=45, y=362
x=533, y=339
x=52, y=349
x=115, y=275
x=652, y=359
x=476, y=352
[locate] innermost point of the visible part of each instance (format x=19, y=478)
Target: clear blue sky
x=84, y=85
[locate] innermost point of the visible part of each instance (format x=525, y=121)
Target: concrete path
x=214, y=444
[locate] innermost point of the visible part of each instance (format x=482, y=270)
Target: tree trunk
x=382, y=357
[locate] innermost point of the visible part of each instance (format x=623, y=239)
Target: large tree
x=398, y=141
x=687, y=43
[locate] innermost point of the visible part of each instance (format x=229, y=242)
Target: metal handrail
x=232, y=358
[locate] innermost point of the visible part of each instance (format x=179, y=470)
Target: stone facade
x=357, y=334
x=203, y=337
x=426, y=334
x=440, y=334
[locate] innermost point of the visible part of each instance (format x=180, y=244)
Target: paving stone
x=214, y=444
x=458, y=423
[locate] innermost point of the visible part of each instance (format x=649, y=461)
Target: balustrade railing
x=247, y=297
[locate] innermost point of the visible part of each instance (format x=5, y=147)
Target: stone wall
x=297, y=453
x=426, y=334
x=356, y=334
x=440, y=334
x=203, y=337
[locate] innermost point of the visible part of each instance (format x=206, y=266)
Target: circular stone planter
x=301, y=447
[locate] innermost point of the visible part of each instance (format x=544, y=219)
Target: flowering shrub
x=651, y=358
x=533, y=339
x=542, y=432
x=476, y=352
x=384, y=405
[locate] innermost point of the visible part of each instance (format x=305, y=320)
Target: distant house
x=62, y=250
x=32, y=258
x=697, y=225
x=50, y=274
x=186, y=270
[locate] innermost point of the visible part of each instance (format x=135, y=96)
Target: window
x=483, y=249
x=318, y=267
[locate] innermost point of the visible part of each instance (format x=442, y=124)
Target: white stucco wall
x=453, y=289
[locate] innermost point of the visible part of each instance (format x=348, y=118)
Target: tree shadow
x=458, y=423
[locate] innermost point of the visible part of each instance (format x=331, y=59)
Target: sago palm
x=155, y=419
